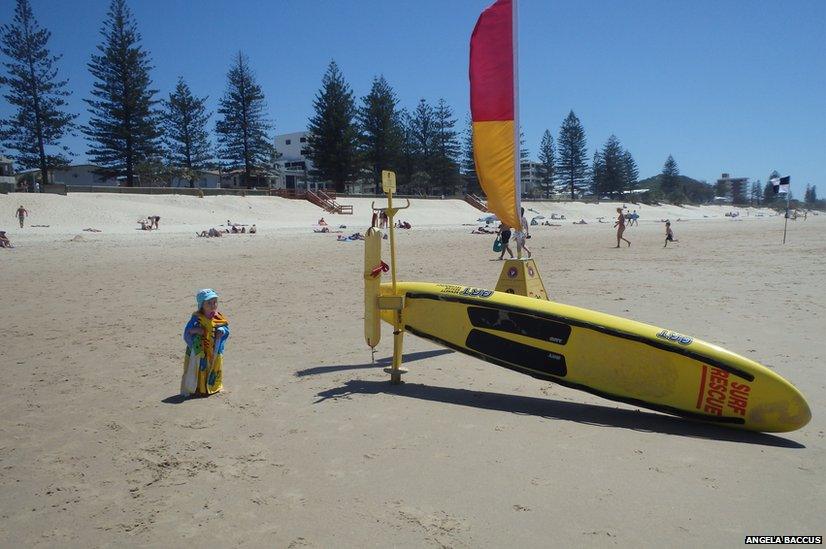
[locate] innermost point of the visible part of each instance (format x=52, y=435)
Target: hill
x=695, y=191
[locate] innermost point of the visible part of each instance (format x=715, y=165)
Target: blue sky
x=735, y=86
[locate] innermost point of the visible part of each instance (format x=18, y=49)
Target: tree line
x=135, y=134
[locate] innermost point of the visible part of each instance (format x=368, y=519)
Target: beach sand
x=309, y=445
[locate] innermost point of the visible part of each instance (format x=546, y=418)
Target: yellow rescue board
x=609, y=356
x=372, y=260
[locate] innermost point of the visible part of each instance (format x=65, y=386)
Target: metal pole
x=788, y=196
x=391, y=214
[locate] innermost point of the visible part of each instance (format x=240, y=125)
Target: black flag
x=781, y=184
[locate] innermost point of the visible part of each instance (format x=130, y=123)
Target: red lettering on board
x=716, y=394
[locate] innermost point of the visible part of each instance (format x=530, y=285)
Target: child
x=205, y=335
x=669, y=235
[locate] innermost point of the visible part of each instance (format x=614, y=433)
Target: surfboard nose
x=781, y=415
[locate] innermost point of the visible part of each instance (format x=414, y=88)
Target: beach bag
x=497, y=245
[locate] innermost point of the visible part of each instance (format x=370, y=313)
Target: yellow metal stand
x=394, y=302
x=521, y=277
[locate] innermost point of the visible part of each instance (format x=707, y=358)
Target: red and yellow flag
x=494, y=109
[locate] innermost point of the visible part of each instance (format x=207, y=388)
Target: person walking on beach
x=634, y=217
x=504, y=233
x=669, y=234
x=620, y=225
x=205, y=335
x=22, y=213
x=521, y=236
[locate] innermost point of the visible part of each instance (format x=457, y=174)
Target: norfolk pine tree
x=631, y=173
x=185, y=135
x=468, y=162
x=40, y=120
x=668, y=182
x=613, y=167
x=243, y=127
x=333, y=140
x=547, y=159
x=380, y=128
x=446, y=148
x=768, y=191
x=423, y=132
x=571, y=167
x=123, y=125
x=597, y=175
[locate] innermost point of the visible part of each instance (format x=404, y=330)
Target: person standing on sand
x=22, y=213
x=620, y=225
x=205, y=335
x=521, y=236
x=504, y=233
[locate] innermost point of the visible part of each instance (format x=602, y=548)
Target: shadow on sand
x=386, y=361
x=589, y=414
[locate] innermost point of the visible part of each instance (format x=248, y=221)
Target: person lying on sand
x=91, y=230
x=210, y=233
x=354, y=236
x=580, y=222
x=4, y=240
x=322, y=230
x=482, y=230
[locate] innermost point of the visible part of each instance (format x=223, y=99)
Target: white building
x=82, y=175
x=531, y=178
x=293, y=164
x=7, y=180
x=205, y=179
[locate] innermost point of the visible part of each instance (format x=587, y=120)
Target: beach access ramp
x=476, y=202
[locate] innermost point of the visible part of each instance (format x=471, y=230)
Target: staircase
x=324, y=200
x=476, y=202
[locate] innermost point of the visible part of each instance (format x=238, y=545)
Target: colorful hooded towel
x=204, y=355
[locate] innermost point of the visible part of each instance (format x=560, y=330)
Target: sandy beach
x=309, y=445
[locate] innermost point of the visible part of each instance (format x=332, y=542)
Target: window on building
x=303, y=139
x=288, y=141
x=305, y=151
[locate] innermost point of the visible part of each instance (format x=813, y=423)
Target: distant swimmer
x=669, y=234
x=620, y=225
x=22, y=213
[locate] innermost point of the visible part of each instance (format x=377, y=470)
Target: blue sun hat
x=204, y=295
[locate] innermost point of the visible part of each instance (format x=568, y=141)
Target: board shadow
x=589, y=414
x=385, y=361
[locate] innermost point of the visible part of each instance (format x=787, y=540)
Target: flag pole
x=788, y=196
